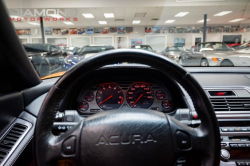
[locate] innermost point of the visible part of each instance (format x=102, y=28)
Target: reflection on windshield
x=174, y=30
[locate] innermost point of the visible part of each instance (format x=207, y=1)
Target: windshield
x=211, y=33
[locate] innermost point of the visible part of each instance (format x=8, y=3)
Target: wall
x=138, y=33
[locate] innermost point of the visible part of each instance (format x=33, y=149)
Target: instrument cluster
x=110, y=96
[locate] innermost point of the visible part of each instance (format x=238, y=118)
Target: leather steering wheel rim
x=205, y=138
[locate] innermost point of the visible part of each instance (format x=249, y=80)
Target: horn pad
x=127, y=137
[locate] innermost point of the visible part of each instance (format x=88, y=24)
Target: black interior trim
x=14, y=64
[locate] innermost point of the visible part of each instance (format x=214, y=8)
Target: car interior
x=126, y=105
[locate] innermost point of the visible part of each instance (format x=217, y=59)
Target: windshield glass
x=58, y=35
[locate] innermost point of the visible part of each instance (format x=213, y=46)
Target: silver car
x=241, y=57
x=173, y=52
x=206, y=54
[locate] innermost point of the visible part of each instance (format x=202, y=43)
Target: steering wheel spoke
x=190, y=140
x=63, y=147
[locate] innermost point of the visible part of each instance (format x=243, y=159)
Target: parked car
x=173, y=52
x=206, y=54
x=241, y=58
x=236, y=60
x=243, y=46
x=70, y=50
x=144, y=47
x=84, y=52
x=46, y=58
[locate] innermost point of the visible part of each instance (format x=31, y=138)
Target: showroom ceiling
x=151, y=15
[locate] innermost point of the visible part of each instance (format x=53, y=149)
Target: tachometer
x=140, y=95
x=109, y=96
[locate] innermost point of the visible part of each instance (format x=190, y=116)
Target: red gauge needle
x=105, y=100
x=81, y=106
x=137, y=100
x=121, y=100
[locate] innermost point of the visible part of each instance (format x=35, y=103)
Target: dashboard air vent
x=9, y=140
x=231, y=104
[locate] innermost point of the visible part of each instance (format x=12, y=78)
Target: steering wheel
x=132, y=136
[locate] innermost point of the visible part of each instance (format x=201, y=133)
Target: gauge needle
x=81, y=106
x=105, y=100
x=137, y=100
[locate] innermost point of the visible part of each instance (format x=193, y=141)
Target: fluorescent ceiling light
x=109, y=15
x=236, y=20
x=169, y=21
x=223, y=13
x=88, y=15
x=68, y=23
x=55, y=15
x=15, y=17
x=181, y=14
x=33, y=23
x=201, y=21
x=200, y=0
x=102, y=22
x=136, y=22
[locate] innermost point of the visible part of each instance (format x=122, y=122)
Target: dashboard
x=125, y=94
x=234, y=125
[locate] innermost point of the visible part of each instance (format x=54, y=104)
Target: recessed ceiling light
x=136, y=22
x=68, y=23
x=223, y=13
x=181, y=14
x=33, y=23
x=109, y=15
x=55, y=15
x=16, y=17
x=236, y=20
x=169, y=21
x=201, y=21
x=102, y=22
x=88, y=15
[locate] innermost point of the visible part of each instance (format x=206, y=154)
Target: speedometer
x=140, y=95
x=109, y=96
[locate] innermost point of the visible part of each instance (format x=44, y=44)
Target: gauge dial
x=160, y=94
x=167, y=104
x=83, y=106
x=89, y=96
x=140, y=95
x=109, y=96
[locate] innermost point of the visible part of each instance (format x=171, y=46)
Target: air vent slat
x=10, y=139
x=18, y=129
x=230, y=104
x=14, y=135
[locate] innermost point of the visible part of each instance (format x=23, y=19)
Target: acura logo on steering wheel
x=126, y=139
